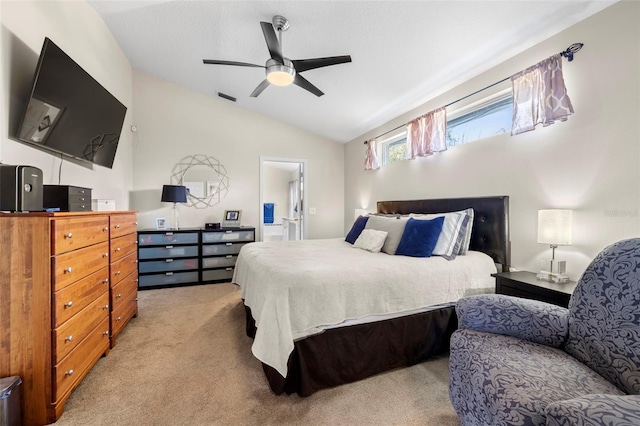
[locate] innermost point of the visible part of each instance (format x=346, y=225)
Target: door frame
x=305, y=191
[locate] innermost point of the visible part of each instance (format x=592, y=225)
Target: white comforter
x=294, y=288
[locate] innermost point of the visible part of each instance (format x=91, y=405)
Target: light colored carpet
x=186, y=360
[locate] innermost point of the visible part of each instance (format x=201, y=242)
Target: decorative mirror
x=205, y=178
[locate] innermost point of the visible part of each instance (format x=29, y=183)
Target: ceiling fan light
x=280, y=74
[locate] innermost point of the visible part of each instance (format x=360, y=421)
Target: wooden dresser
x=66, y=292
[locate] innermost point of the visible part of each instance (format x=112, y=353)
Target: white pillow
x=469, y=227
x=452, y=235
x=371, y=240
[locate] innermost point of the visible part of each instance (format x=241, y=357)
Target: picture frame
x=232, y=218
x=161, y=223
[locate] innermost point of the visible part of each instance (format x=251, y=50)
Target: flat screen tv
x=69, y=112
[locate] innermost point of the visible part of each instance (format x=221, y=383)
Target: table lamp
x=554, y=228
x=174, y=194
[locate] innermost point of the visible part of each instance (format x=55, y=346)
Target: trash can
x=10, y=401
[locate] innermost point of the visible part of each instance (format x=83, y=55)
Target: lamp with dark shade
x=174, y=194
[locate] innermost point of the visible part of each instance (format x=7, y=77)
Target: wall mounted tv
x=69, y=112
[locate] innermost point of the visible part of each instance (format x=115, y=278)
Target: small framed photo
x=161, y=223
x=232, y=218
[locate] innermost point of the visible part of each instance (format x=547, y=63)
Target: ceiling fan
x=282, y=71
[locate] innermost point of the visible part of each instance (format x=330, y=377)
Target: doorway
x=283, y=190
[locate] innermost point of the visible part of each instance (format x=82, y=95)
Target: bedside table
x=525, y=284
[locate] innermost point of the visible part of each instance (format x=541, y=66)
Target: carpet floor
x=186, y=360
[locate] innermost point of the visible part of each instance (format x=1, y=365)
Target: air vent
x=227, y=97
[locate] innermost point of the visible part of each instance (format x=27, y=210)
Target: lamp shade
x=554, y=227
x=174, y=194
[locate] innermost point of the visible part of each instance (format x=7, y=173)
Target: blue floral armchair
x=522, y=362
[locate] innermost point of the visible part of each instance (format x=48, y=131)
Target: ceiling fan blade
x=272, y=41
x=302, y=65
x=239, y=64
x=260, y=88
x=304, y=83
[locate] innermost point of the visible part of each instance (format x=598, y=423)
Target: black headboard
x=490, y=233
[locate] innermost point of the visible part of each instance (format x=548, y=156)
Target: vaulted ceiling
x=404, y=52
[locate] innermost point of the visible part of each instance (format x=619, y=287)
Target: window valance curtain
x=371, y=161
x=539, y=96
x=427, y=134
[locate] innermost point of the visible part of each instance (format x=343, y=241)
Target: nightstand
x=525, y=284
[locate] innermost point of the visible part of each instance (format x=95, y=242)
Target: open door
x=283, y=210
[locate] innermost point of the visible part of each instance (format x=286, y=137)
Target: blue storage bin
x=268, y=212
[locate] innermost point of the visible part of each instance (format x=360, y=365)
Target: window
x=486, y=118
x=394, y=149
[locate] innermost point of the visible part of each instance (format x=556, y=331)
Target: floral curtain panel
x=539, y=96
x=371, y=161
x=427, y=134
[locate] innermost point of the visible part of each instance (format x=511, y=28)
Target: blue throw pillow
x=356, y=229
x=420, y=237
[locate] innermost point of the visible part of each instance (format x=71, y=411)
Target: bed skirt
x=347, y=354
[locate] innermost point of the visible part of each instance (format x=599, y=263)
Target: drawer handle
x=228, y=256
x=68, y=270
x=228, y=269
x=169, y=247
x=68, y=304
x=118, y=226
x=168, y=274
x=168, y=260
x=135, y=242
x=135, y=261
x=135, y=223
x=105, y=255
x=69, y=235
x=82, y=199
x=105, y=333
x=106, y=280
x=136, y=280
x=118, y=318
x=228, y=232
x=228, y=244
x=118, y=296
x=118, y=272
x=117, y=248
x=82, y=206
x=68, y=339
x=69, y=373
x=105, y=229
x=105, y=307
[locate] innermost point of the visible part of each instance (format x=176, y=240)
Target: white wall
x=174, y=122
x=590, y=164
x=82, y=34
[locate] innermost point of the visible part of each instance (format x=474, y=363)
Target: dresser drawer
x=78, y=198
x=168, y=265
x=167, y=238
x=217, y=274
x=73, y=298
x=125, y=290
x=123, y=267
x=167, y=278
x=226, y=248
x=75, y=366
x=122, y=246
x=82, y=206
x=224, y=236
x=219, y=262
x=123, y=224
x=167, y=252
x=70, y=267
x=70, y=334
x=74, y=233
x=121, y=316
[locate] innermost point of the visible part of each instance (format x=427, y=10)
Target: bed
x=323, y=329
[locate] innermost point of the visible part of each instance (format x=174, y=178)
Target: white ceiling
x=404, y=52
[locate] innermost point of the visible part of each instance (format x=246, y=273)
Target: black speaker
x=20, y=188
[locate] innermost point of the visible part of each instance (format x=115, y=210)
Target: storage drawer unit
x=67, y=198
x=59, y=310
x=189, y=256
x=219, y=252
x=168, y=258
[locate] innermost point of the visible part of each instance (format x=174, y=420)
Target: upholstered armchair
x=522, y=362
